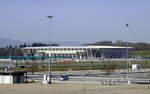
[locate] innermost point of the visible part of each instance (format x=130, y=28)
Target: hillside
x=136, y=45
x=141, y=53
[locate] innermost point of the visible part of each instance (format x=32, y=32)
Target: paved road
x=136, y=76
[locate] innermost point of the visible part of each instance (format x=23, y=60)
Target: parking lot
x=141, y=76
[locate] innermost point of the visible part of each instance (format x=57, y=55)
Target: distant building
x=80, y=52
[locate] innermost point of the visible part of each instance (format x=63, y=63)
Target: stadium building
x=77, y=52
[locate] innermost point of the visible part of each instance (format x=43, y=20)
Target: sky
x=75, y=20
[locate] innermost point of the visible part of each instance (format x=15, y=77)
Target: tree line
x=11, y=50
x=37, y=45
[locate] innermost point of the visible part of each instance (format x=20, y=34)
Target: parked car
x=63, y=77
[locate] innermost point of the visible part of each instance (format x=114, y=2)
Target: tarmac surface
x=141, y=76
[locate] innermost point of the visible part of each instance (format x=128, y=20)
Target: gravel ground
x=73, y=88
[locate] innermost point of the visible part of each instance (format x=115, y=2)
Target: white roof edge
x=75, y=47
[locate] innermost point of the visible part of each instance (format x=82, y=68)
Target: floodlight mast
x=127, y=57
x=50, y=54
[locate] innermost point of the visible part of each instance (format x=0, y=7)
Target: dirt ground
x=73, y=88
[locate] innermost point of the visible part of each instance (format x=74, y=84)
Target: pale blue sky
x=75, y=20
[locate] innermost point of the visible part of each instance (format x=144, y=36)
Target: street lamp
x=50, y=54
x=127, y=57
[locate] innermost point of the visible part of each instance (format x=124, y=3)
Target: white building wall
x=10, y=79
x=6, y=79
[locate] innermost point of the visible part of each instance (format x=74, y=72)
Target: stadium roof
x=76, y=47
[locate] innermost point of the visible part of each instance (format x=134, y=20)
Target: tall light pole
x=50, y=54
x=127, y=57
